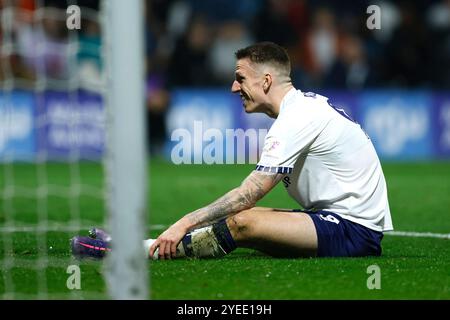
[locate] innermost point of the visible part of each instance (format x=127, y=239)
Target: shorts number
x=329, y=218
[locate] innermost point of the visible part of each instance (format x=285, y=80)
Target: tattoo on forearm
x=244, y=197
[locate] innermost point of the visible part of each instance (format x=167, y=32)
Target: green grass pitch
x=411, y=268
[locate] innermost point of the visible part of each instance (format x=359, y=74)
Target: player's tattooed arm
x=252, y=189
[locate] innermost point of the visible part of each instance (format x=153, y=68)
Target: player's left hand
x=168, y=241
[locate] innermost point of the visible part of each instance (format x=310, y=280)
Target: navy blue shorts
x=338, y=237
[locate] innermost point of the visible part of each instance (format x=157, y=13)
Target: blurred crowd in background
x=191, y=43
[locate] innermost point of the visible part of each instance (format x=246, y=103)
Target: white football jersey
x=330, y=162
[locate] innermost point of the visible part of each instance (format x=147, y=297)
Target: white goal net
x=72, y=147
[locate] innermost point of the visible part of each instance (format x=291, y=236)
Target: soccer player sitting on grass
x=325, y=160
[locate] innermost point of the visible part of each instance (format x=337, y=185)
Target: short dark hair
x=263, y=52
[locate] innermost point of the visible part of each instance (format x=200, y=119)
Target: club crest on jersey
x=272, y=146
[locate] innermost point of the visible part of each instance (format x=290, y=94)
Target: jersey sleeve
x=284, y=143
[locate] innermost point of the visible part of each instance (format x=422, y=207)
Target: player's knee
x=240, y=224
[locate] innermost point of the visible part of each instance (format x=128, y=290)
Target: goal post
x=73, y=151
x=126, y=161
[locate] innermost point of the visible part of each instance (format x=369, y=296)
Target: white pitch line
x=62, y=228
x=161, y=227
x=50, y=228
x=158, y=227
x=418, y=234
